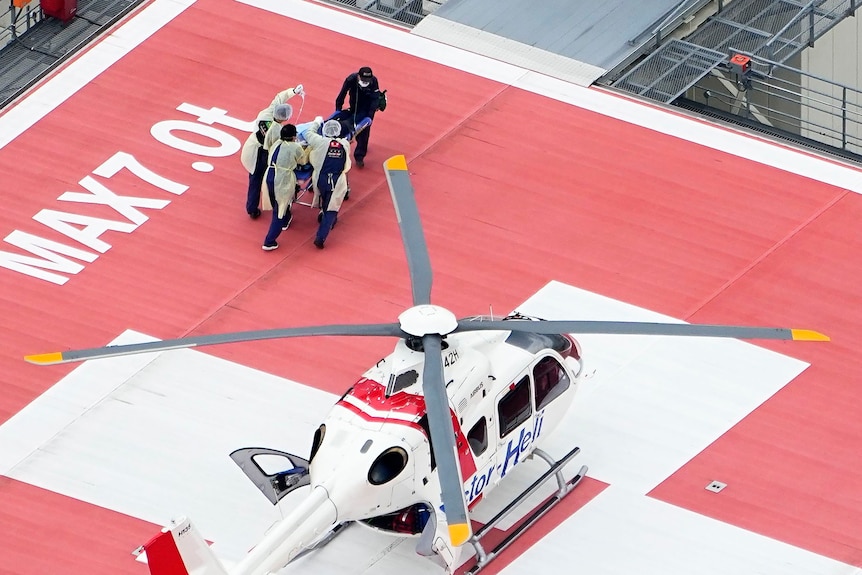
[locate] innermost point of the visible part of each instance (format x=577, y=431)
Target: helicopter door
x=551, y=382
x=516, y=424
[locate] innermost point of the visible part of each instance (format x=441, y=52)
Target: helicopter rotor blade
x=443, y=441
x=412, y=235
x=380, y=329
x=641, y=328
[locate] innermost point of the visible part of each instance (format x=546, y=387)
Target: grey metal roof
x=591, y=32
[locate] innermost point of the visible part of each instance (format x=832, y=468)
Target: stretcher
x=304, y=173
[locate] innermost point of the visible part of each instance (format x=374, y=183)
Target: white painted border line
x=86, y=67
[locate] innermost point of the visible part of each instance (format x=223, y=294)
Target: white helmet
x=332, y=129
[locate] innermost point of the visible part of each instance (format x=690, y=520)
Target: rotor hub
x=425, y=319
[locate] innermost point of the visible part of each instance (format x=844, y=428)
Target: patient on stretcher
x=304, y=172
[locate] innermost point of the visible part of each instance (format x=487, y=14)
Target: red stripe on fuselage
x=378, y=419
x=373, y=394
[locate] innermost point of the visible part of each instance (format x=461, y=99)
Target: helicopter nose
x=365, y=471
x=360, y=485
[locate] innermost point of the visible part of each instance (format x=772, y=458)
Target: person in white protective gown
x=254, y=153
x=280, y=181
x=329, y=155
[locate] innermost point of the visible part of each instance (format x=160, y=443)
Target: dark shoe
x=347, y=193
x=287, y=223
x=318, y=244
x=270, y=247
x=254, y=215
x=360, y=163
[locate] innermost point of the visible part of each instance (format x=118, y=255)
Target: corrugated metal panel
x=517, y=53
x=596, y=33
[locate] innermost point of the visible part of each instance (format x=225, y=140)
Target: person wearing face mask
x=364, y=98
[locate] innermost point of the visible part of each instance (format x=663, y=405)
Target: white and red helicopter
x=424, y=434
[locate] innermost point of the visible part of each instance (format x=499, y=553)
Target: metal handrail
x=822, y=110
x=32, y=15
x=761, y=61
x=809, y=11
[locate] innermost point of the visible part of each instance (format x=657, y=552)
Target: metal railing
x=814, y=19
x=409, y=12
x=16, y=21
x=786, y=100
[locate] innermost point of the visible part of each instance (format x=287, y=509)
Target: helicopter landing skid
x=483, y=558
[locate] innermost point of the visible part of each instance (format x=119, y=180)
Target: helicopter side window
x=478, y=436
x=514, y=408
x=550, y=379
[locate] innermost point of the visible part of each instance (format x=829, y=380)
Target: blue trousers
x=255, y=181
x=329, y=217
x=276, y=223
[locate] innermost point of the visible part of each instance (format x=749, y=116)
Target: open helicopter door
x=292, y=470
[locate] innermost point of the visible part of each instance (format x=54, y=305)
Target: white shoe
x=267, y=248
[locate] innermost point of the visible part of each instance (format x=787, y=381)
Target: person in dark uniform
x=364, y=97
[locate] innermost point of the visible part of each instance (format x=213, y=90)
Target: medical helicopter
x=423, y=435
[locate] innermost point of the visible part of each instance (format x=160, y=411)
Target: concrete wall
x=836, y=57
x=5, y=21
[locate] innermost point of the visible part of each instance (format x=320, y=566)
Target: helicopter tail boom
x=179, y=549
x=303, y=528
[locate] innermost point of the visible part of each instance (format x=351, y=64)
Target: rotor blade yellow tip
x=459, y=533
x=45, y=358
x=396, y=163
x=808, y=335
